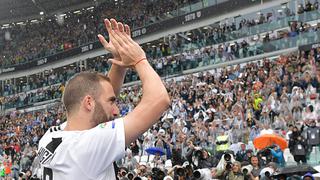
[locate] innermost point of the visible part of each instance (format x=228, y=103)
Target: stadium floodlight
x=77, y=12
x=89, y=8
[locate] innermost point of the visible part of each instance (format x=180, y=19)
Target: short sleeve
x=99, y=147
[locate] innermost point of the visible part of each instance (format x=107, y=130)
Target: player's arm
x=155, y=99
x=116, y=73
x=154, y=102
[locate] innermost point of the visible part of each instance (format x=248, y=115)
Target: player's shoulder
x=53, y=129
x=50, y=133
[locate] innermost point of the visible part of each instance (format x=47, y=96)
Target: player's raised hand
x=129, y=51
x=109, y=45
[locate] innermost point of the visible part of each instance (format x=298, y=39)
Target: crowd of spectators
x=308, y=6
x=238, y=103
x=56, y=34
x=38, y=89
x=168, y=58
x=20, y=134
x=279, y=97
x=26, y=99
x=22, y=43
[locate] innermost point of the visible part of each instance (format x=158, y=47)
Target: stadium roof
x=20, y=10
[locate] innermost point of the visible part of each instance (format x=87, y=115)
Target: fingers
x=120, y=41
x=116, y=40
x=108, y=25
x=103, y=41
x=120, y=27
x=111, y=33
x=115, y=34
x=111, y=26
x=127, y=30
x=114, y=24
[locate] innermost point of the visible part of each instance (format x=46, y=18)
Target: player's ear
x=88, y=103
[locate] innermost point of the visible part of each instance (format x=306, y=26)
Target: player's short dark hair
x=80, y=85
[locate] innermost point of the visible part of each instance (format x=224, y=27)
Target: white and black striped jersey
x=82, y=155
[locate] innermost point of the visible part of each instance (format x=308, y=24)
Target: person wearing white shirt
x=308, y=113
x=266, y=130
x=86, y=146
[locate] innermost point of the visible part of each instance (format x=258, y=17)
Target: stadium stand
x=48, y=37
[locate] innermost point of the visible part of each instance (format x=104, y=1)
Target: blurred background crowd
x=23, y=43
x=237, y=104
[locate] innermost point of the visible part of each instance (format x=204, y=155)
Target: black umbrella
x=295, y=170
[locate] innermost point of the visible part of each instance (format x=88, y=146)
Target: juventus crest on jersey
x=81, y=155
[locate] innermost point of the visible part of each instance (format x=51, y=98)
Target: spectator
x=308, y=176
x=312, y=134
x=240, y=156
x=232, y=174
x=256, y=168
x=206, y=160
x=298, y=147
x=278, y=156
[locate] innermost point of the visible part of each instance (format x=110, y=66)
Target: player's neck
x=77, y=124
x=74, y=127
